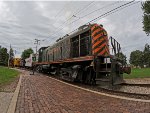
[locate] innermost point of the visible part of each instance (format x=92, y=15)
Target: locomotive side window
x=48, y=57
x=61, y=52
x=84, y=43
x=75, y=46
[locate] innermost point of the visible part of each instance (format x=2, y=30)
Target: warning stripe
x=107, y=51
x=102, y=51
x=99, y=51
x=99, y=41
x=98, y=44
x=97, y=31
x=94, y=27
x=98, y=36
x=99, y=48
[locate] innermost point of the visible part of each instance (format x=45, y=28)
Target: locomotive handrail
x=116, y=46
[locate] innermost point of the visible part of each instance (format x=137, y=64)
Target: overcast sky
x=22, y=22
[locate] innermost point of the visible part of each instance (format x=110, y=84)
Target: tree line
x=141, y=58
x=5, y=55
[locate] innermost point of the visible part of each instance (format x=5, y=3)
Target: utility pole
x=37, y=42
x=9, y=56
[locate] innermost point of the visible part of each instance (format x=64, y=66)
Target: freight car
x=84, y=56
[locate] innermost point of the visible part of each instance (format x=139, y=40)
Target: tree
x=136, y=58
x=11, y=57
x=146, y=17
x=146, y=55
x=3, y=56
x=26, y=53
x=11, y=53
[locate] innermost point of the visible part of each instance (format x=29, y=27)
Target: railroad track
x=141, y=85
x=130, y=93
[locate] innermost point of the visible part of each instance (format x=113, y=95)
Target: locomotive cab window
x=75, y=46
x=85, y=43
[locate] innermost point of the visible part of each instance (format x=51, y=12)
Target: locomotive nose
x=99, y=41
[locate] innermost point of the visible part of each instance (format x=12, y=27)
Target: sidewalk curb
x=12, y=105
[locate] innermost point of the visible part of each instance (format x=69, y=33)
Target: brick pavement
x=41, y=94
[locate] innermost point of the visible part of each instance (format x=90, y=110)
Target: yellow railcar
x=17, y=62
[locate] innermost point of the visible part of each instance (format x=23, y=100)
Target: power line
x=109, y=12
x=115, y=11
x=58, y=29
x=105, y=14
x=71, y=18
x=119, y=7
x=112, y=10
x=37, y=42
x=102, y=8
x=85, y=7
x=61, y=10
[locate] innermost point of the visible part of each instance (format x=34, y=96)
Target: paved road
x=41, y=94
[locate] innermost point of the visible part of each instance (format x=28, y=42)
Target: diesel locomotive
x=84, y=56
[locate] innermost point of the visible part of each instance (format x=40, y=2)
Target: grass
x=7, y=75
x=138, y=73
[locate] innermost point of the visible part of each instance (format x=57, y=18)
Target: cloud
x=21, y=22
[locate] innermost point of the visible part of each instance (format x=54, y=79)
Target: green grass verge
x=7, y=75
x=138, y=73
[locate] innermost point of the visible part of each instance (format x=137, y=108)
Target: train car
x=84, y=56
x=16, y=62
x=29, y=61
x=22, y=63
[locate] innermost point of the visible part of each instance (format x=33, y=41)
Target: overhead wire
x=96, y=10
x=58, y=29
x=85, y=7
x=109, y=12
x=73, y=15
x=101, y=16
x=112, y=10
x=61, y=10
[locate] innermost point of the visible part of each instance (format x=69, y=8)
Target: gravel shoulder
x=138, y=81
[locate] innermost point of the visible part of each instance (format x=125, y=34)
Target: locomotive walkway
x=42, y=94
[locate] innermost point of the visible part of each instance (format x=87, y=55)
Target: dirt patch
x=11, y=86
